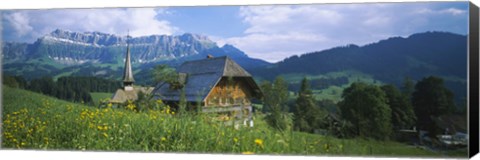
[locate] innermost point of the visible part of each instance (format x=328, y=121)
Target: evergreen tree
x=164, y=73
x=266, y=87
x=403, y=116
x=10, y=81
x=365, y=107
x=431, y=99
x=408, y=88
x=274, y=102
x=307, y=115
x=76, y=89
x=182, y=104
x=22, y=83
x=327, y=105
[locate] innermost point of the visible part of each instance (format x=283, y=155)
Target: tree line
x=70, y=88
x=366, y=110
x=321, y=83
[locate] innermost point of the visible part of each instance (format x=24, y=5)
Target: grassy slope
x=96, y=96
x=42, y=122
x=333, y=92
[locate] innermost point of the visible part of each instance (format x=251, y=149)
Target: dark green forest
x=70, y=88
x=366, y=110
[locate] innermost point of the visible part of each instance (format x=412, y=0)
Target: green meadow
x=98, y=96
x=34, y=121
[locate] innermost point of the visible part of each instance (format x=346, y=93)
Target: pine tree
x=403, y=116
x=274, y=102
x=306, y=114
x=431, y=99
x=365, y=107
x=408, y=88
x=182, y=104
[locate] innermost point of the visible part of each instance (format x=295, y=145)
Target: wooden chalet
x=216, y=85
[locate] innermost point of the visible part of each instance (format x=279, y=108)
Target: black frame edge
x=473, y=112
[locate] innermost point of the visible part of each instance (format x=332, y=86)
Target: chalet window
x=214, y=101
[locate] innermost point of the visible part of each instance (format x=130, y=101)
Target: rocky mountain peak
x=190, y=37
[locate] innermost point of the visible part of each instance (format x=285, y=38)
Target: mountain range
x=429, y=53
x=417, y=56
x=62, y=53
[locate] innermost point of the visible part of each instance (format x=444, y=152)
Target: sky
x=268, y=32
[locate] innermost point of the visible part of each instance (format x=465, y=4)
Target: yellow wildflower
x=91, y=125
x=131, y=106
x=159, y=101
x=102, y=128
x=168, y=110
x=259, y=142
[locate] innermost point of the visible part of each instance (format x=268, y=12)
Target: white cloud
x=277, y=32
x=275, y=47
x=272, y=32
x=277, y=19
x=19, y=23
x=451, y=11
x=30, y=24
x=454, y=11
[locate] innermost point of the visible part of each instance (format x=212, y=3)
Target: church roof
x=128, y=75
x=121, y=95
x=202, y=76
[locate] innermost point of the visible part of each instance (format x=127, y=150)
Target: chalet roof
x=122, y=95
x=202, y=76
x=219, y=65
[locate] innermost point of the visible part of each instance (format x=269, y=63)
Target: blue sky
x=267, y=32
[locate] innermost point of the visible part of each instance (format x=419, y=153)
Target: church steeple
x=127, y=74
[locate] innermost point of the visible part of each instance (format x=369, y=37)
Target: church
x=129, y=91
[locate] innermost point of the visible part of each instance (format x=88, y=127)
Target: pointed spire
x=128, y=75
